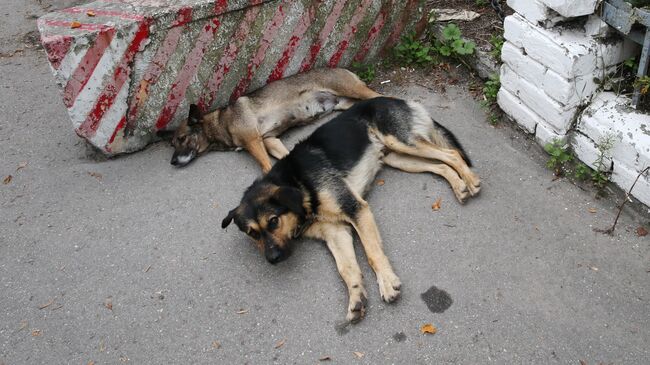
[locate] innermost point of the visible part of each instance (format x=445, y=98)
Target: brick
x=610, y=115
x=569, y=53
x=544, y=134
x=572, y=8
x=586, y=150
x=511, y=105
x=624, y=176
x=136, y=66
x=536, y=12
x=556, y=115
x=569, y=93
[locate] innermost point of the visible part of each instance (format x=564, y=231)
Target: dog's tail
x=451, y=138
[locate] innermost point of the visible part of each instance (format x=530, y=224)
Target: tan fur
x=253, y=122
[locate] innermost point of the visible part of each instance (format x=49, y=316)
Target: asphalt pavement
x=124, y=260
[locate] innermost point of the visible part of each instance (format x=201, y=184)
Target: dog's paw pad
x=356, y=310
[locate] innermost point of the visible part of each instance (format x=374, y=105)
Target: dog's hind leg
x=366, y=227
x=428, y=150
x=275, y=147
x=339, y=242
x=417, y=165
x=256, y=148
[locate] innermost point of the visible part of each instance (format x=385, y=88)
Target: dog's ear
x=196, y=115
x=226, y=221
x=291, y=198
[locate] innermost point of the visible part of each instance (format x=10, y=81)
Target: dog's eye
x=254, y=234
x=273, y=223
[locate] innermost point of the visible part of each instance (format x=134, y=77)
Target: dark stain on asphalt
x=399, y=337
x=437, y=300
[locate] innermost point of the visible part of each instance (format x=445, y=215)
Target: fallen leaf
x=124, y=359
x=641, y=231
x=47, y=304
x=91, y=362
x=242, y=311
x=96, y=175
x=102, y=346
x=582, y=362
x=280, y=343
x=325, y=358
x=592, y=210
x=36, y=333
x=108, y=303
x=428, y=328
x=358, y=354
x=436, y=205
x=90, y=13
x=216, y=345
x=75, y=25
x=21, y=165
x=23, y=325
x=381, y=182
x=215, y=205
x=7, y=179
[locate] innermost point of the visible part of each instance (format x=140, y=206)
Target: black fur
x=451, y=138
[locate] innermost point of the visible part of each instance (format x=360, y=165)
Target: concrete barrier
x=128, y=68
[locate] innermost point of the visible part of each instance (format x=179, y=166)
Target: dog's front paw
x=461, y=191
x=474, y=185
x=356, y=307
x=389, y=286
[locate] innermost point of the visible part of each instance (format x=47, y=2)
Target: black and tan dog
x=317, y=190
x=253, y=122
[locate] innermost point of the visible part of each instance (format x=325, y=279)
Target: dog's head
x=189, y=139
x=272, y=216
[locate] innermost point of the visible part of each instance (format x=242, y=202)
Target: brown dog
x=253, y=122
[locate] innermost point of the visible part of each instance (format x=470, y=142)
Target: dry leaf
x=124, y=359
x=75, y=25
x=242, y=311
x=36, y=333
x=592, y=210
x=216, y=345
x=90, y=13
x=428, y=328
x=21, y=165
x=436, y=205
x=96, y=175
x=325, y=358
x=108, y=303
x=582, y=362
x=280, y=343
x=641, y=231
x=7, y=179
x=358, y=354
x=91, y=362
x=381, y=182
x=23, y=325
x=102, y=346
x=47, y=304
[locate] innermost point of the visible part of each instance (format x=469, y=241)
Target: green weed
x=366, y=72
x=452, y=44
x=497, y=41
x=412, y=52
x=560, y=156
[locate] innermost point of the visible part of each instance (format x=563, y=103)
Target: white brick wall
x=559, y=117
x=536, y=12
x=572, y=8
x=624, y=177
x=545, y=134
x=517, y=110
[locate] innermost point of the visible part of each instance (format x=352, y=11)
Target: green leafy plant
x=452, y=44
x=497, y=41
x=581, y=171
x=366, y=72
x=481, y=3
x=412, y=52
x=600, y=176
x=491, y=88
x=643, y=83
x=560, y=156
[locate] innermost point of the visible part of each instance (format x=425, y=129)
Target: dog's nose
x=275, y=255
x=174, y=160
